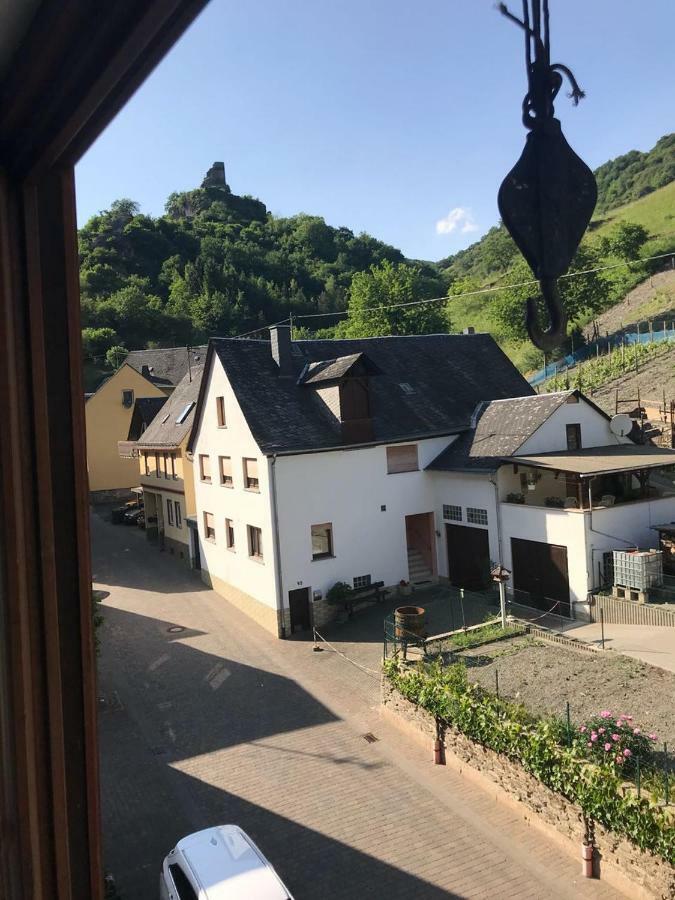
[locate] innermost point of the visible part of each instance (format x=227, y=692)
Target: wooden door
x=540, y=569
x=300, y=611
x=468, y=557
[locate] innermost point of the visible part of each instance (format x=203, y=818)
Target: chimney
x=281, y=348
x=469, y=330
x=145, y=371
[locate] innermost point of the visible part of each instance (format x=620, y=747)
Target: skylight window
x=185, y=413
x=165, y=418
x=406, y=388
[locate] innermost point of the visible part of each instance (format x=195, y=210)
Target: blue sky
x=380, y=115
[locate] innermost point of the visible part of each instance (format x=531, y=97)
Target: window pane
x=169, y=511
x=179, y=515
x=220, y=411
x=402, y=459
x=476, y=516
x=251, y=474
x=209, y=527
x=452, y=513
x=361, y=581
x=205, y=467
x=225, y=470
x=322, y=540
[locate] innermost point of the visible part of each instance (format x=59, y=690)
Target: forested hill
x=214, y=263
x=620, y=181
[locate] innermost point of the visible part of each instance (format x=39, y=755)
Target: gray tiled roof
x=167, y=366
x=502, y=427
x=145, y=410
x=164, y=431
x=334, y=369
x=445, y=376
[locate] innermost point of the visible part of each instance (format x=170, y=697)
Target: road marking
x=158, y=662
x=217, y=676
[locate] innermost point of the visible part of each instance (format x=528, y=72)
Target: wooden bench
x=362, y=596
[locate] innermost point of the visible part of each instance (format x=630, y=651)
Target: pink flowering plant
x=615, y=740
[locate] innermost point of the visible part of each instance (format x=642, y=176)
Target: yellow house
x=109, y=411
x=166, y=472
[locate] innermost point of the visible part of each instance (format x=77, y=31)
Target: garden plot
x=544, y=676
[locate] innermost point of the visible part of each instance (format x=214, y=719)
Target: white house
x=406, y=458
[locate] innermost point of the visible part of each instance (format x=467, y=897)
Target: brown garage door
x=541, y=570
x=468, y=557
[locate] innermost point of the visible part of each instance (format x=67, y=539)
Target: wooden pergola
x=66, y=69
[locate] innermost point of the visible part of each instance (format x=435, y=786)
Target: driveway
x=207, y=719
x=649, y=643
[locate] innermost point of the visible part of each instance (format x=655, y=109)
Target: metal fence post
x=602, y=627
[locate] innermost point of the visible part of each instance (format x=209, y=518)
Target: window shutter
x=402, y=459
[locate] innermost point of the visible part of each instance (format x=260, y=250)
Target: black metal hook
x=551, y=338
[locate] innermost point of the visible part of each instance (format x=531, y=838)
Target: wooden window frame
x=222, y=476
x=169, y=511
x=178, y=514
x=49, y=766
x=331, y=547
x=220, y=412
x=208, y=536
x=255, y=543
x=206, y=479
x=248, y=479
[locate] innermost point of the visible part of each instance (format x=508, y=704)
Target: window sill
x=205, y=480
x=252, y=490
x=222, y=426
x=321, y=556
x=210, y=540
x=257, y=559
x=226, y=485
x=404, y=471
x=231, y=549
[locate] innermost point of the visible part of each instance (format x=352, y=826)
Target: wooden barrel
x=409, y=620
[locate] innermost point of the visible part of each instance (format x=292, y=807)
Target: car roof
x=225, y=863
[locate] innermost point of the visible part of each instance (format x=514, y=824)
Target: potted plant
x=339, y=593
x=556, y=502
x=404, y=588
x=515, y=498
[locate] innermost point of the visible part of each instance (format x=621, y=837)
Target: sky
x=396, y=118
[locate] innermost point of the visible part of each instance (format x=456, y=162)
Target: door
x=541, y=570
x=300, y=610
x=468, y=557
x=194, y=537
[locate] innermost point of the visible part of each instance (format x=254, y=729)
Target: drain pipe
x=277, y=543
x=499, y=522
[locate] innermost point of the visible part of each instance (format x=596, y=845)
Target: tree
x=379, y=298
x=624, y=240
x=97, y=341
x=115, y=356
x=580, y=294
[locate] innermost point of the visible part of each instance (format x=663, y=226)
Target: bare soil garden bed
x=543, y=676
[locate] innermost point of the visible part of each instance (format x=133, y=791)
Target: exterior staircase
x=418, y=570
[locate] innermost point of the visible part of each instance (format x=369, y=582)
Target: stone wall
x=618, y=861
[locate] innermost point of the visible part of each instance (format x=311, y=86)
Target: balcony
x=127, y=449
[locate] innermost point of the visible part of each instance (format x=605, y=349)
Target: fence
x=627, y=612
x=645, y=333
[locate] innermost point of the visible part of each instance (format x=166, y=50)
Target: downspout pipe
x=493, y=480
x=277, y=544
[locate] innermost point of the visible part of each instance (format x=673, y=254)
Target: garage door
x=468, y=557
x=541, y=570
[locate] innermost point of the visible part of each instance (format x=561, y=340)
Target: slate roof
x=145, y=410
x=164, y=431
x=167, y=366
x=335, y=369
x=445, y=376
x=502, y=427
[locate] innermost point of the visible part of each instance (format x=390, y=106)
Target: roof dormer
x=343, y=385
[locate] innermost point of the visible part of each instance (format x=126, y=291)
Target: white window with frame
x=322, y=541
x=225, y=466
x=255, y=548
x=179, y=514
x=220, y=412
x=251, y=482
x=209, y=527
x=361, y=581
x=229, y=534
x=475, y=516
x=402, y=458
x=452, y=513
x=169, y=511
x=205, y=467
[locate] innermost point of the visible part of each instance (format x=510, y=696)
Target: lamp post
x=500, y=576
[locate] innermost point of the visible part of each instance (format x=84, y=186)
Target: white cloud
x=458, y=219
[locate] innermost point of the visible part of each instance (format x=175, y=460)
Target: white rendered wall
x=347, y=489
x=464, y=489
x=242, y=506
x=552, y=436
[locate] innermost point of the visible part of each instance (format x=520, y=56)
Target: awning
x=136, y=490
x=599, y=460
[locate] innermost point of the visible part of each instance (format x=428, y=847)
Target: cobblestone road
x=219, y=722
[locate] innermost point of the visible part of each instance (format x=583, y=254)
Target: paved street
x=219, y=722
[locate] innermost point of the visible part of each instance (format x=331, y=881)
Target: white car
x=220, y=863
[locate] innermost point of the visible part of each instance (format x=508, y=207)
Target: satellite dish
x=621, y=425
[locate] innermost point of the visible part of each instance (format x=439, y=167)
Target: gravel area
x=544, y=676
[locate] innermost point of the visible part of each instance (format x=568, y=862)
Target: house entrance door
x=301, y=617
x=468, y=557
x=540, y=570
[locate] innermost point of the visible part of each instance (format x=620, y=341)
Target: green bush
x=540, y=746
x=339, y=593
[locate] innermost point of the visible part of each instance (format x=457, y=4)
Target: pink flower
x=589, y=744
x=605, y=714
x=636, y=731
x=652, y=737
x=615, y=737
x=601, y=730
x=582, y=729
x=608, y=746
x=594, y=736
x=619, y=759
x=627, y=752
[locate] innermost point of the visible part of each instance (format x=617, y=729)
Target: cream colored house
x=109, y=411
x=166, y=471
